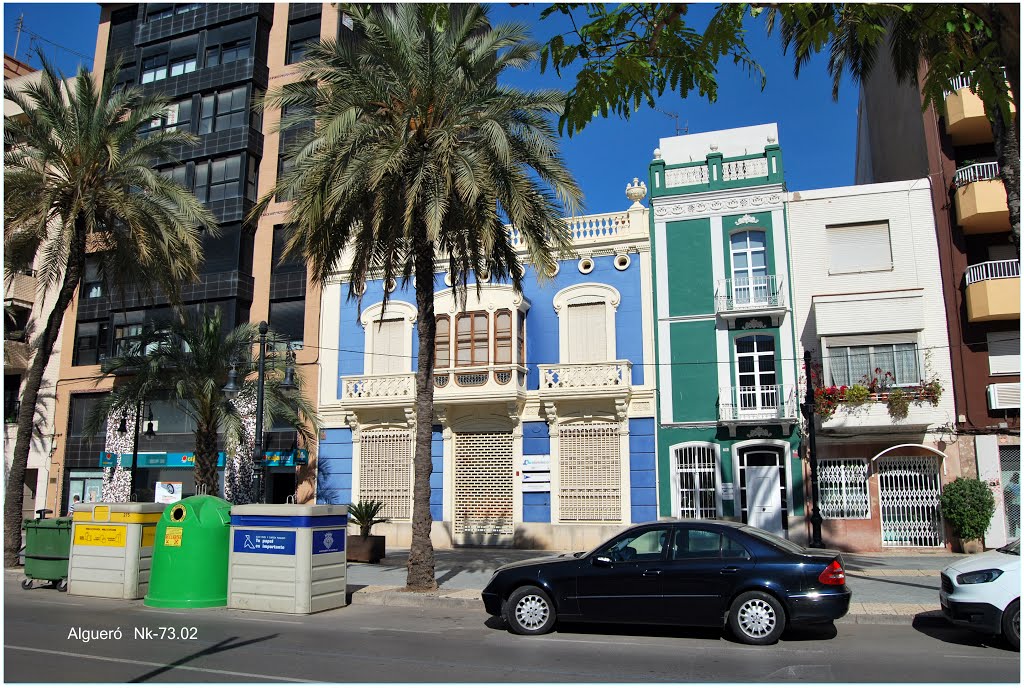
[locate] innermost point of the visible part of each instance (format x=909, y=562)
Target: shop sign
x=264, y=542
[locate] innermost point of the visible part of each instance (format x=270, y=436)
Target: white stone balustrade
x=378, y=388
x=745, y=169
x=613, y=378
x=686, y=176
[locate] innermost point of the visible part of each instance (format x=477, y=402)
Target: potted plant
x=857, y=395
x=365, y=547
x=898, y=403
x=967, y=505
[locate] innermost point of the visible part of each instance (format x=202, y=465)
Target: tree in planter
x=79, y=178
x=365, y=514
x=420, y=156
x=967, y=506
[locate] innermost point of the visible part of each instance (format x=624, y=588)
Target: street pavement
x=456, y=645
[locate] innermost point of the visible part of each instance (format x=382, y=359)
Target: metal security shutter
x=855, y=248
x=588, y=333
x=696, y=467
x=908, y=492
x=385, y=471
x=388, y=355
x=589, y=465
x=1009, y=466
x=843, y=488
x=1004, y=353
x=483, y=485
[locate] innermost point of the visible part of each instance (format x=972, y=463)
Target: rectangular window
x=154, y=68
x=388, y=353
x=471, y=339
x=851, y=365
x=177, y=116
x=91, y=341
x=294, y=263
x=588, y=333
x=289, y=319
x=162, y=10
x=503, y=337
x=443, y=342
x=92, y=283
x=226, y=53
x=301, y=33
x=183, y=66
x=859, y=248
x=521, y=337
x=228, y=109
x=843, y=488
x=1004, y=353
x=81, y=408
x=218, y=179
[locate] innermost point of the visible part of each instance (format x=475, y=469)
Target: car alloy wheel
x=757, y=618
x=1011, y=624
x=532, y=612
x=529, y=611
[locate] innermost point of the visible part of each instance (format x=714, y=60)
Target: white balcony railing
x=769, y=402
x=977, y=172
x=747, y=295
x=590, y=228
x=497, y=377
x=993, y=269
x=963, y=81
x=754, y=168
x=381, y=387
x=614, y=375
x=686, y=176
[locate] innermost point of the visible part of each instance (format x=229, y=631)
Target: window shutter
x=858, y=248
x=1003, y=353
x=388, y=354
x=588, y=333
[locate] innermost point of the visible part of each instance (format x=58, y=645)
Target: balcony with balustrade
x=717, y=172
x=966, y=121
x=981, y=206
x=500, y=382
x=764, y=405
x=611, y=379
x=993, y=291
x=371, y=391
x=20, y=289
x=742, y=299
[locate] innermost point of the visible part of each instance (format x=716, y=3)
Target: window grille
x=385, y=471
x=483, y=484
x=843, y=488
x=695, y=465
x=1009, y=465
x=589, y=465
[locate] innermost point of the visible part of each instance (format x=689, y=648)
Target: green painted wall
x=694, y=371
x=691, y=288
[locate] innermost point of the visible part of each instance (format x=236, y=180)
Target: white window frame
x=1011, y=338
x=395, y=310
x=871, y=341
x=676, y=487
x=587, y=292
x=842, y=487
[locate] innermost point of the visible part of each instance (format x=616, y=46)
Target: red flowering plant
x=826, y=400
x=880, y=382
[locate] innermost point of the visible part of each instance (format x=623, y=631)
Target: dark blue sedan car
x=687, y=573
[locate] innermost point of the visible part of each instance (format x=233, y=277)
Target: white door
x=588, y=333
x=388, y=354
x=758, y=392
x=764, y=499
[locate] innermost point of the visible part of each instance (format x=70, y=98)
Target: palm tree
x=420, y=155
x=188, y=361
x=78, y=178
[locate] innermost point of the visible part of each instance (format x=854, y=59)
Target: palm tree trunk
x=205, y=470
x=30, y=394
x=1007, y=144
x=421, y=551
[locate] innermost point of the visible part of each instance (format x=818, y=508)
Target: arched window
x=586, y=322
x=388, y=338
x=749, y=267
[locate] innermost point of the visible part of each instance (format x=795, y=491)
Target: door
x=483, y=489
x=704, y=567
x=588, y=333
x=908, y=495
x=388, y=355
x=764, y=498
x=758, y=393
x=1009, y=467
x=623, y=583
x=749, y=269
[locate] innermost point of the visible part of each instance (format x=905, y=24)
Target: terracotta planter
x=369, y=549
x=970, y=546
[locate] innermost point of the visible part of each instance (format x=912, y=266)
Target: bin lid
x=289, y=510
x=121, y=507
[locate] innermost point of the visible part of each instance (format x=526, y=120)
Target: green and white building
x=728, y=428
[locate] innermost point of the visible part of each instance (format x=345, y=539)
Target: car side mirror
x=601, y=561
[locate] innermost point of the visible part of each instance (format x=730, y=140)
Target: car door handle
x=730, y=569
x=652, y=572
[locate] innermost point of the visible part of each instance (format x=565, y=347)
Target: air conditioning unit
x=1005, y=395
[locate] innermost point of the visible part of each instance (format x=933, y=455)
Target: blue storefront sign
x=264, y=542
x=157, y=460
x=328, y=541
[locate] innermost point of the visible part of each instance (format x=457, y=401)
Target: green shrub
x=857, y=395
x=967, y=505
x=364, y=514
x=898, y=403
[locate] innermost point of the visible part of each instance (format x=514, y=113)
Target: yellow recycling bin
x=112, y=549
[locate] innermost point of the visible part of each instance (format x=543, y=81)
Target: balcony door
x=758, y=391
x=388, y=355
x=588, y=332
x=749, y=268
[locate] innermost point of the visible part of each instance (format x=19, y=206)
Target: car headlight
x=985, y=576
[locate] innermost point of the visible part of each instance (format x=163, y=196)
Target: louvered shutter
x=857, y=248
x=588, y=333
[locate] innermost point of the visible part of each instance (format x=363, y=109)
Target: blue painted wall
x=642, y=481
x=334, y=467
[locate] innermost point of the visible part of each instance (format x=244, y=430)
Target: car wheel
x=529, y=611
x=757, y=618
x=1011, y=625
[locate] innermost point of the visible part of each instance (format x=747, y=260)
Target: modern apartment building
x=543, y=401
x=868, y=304
x=980, y=268
x=728, y=440
x=211, y=60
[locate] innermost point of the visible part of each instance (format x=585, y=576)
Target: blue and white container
x=287, y=558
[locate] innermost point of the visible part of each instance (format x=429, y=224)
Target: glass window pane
x=739, y=241
x=740, y=260
x=756, y=239
x=233, y=167
x=883, y=363
x=757, y=259
x=838, y=366
x=860, y=364
x=906, y=364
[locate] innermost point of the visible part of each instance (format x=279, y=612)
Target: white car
x=983, y=592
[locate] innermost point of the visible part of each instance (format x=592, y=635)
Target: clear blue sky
x=817, y=135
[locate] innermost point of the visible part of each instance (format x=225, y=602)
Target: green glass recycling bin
x=47, y=549
x=190, y=555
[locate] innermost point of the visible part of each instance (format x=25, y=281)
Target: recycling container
x=190, y=556
x=47, y=544
x=112, y=549
x=287, y=558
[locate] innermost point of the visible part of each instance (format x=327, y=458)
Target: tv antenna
x=685, y=129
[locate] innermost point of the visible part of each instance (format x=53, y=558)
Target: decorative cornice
x=683, y=207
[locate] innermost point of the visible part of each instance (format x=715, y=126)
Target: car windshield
x=773, y=539
x=1012, y=548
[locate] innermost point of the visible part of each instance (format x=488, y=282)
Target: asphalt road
x=392, y=644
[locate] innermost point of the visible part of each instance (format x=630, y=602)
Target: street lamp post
x=808, y=410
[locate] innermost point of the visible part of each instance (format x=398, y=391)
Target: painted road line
x=731, y=648
x=158, y=665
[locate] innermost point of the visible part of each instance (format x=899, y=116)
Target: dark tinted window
x=696, y=543
x=772, y=539
x=288, y=318
x=301, y=33
x=81, y=406
x=645, y=545
x=91, y=343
